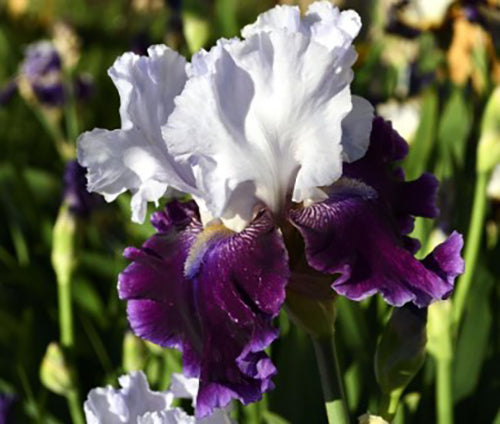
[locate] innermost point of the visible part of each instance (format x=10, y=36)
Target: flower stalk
x=317, y=318
x=331, y=379
x=64, y=262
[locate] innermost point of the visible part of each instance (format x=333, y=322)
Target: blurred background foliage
x=429, y=66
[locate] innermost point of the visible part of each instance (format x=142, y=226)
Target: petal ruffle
x=264, y=124
x=212, y=294
x=135, y=157
x=405, y=199
x=351, y=234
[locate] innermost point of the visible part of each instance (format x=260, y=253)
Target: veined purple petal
x=212, y=294
x=351, y=234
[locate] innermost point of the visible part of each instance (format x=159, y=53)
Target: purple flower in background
x=75, y=193
x=41, y=76
x=267, y=138
x=6, y=404
x=42, y=69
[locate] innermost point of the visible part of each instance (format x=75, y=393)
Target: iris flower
x=135, y=402
x=41, y=76
x=289, y=182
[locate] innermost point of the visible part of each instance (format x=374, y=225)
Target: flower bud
x=63, y=245
x=488, y=151
x=135, y=353
x=55, y=372
x=401, y=349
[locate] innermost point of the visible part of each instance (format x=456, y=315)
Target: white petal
x=356, y=129
x=278, y=18
x=330, y=27
x=136, y=158
x=184, y=387
x=493, y=190
x=265, y=123
x=173, y=416
x=109, y=406
x=147, y=86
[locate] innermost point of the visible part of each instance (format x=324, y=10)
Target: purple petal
x=241, y=284
x=49, y=94
x=405, y=199
x=41, y=58
x=352, y=235
x=213, y=295
x=75, y=193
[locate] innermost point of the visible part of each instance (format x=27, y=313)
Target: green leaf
x=417, y=161
x=474, y=337
x=453, y=132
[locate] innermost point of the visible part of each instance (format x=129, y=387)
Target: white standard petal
x=135, y=157
x=265, y=125
x=356, y=129
x=278, y=18
x=331, y=28
x=116, y=406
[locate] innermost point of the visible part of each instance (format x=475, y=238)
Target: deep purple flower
x=6, y=403
x=258, y=134
x=212, y=294
x=75, y=193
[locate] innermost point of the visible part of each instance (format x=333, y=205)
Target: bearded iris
x=266, y=137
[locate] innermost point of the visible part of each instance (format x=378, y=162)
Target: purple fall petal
x=406, y=199
x=352, y=235
x=213, y=295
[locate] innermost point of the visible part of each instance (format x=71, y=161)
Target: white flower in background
x=424, y=14
x=405, y=116
x=493, y=190
x=266, y=120
x=135, y=403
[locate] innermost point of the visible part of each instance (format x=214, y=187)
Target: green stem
x=331, y=380
x=75, y=407
x=472, y=247
x=70, y=111
x=55, y=133
x=65, y=314
x=444, y=394
x=389, y=405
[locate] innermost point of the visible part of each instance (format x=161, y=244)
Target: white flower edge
x=135, y=157
x=272, y=115
x=135, y=402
